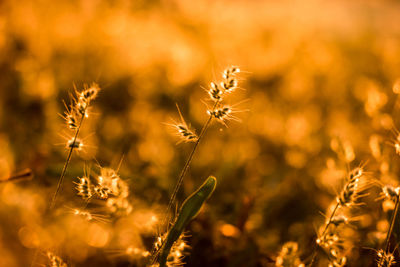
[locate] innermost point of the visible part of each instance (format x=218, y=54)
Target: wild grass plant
x=309, y=177
x=111, y=192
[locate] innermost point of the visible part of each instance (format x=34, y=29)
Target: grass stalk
x=315, y=251
x=389, y=233
x=186, y=167
x=64, y=170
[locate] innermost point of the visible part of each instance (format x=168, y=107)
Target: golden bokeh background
x=319, y=78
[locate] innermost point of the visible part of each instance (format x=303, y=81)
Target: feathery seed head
x=288, y=256
x=229, y=85
x=177, y=253
x=351, y=191
x=183, y=130
x=340, y=262
x=84, y=188
x=102, y=192
x=337, y=260
x=81, y=107
x=328, y=240
x=85, y=97
x=55, y=261
x=339, y=219
x=229, y=72
x=230, y=82
x=109, y=182
x=175, y=257
x=75, y=144
x=390, y=192
x=385, y=259
x=215, y=92
x=84, y=214
x=89, y=93
x=70, y=117
x=221, y=114
x=71, y=121
x=185, y=133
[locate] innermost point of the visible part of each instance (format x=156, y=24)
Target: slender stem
x=323, y=233
x=64, y=170
x=182, y=175
x=186, y=166
x=392, y=221
x=25, y=174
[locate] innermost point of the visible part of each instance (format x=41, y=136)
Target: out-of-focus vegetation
x=320, y=79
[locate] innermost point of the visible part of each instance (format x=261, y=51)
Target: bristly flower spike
x=80, y=105
x=55, y=261
x=227, y=85
x=385, y=259
x=183, y=130
x=225, y=113
x=215, y=92
x=351, y=191
x=84, y=187
x=85, y=97
x=230, y=82
x=89, y=93
x=70, y=117
x=390, y=192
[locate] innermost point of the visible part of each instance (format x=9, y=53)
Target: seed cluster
x=79, y=105
x=385, y=259
x=110, y=187
x=289, y=256
x=55, y=261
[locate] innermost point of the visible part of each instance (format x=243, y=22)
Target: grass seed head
x=55, y=261
x=109, y=182
x=390, y=192
x=183, y=131
x=229, y=72
x=339, y=219
x=230, y=82
x=84, y=187
x=221, y=114
x=385, y=259
x=70, y=117
x=340, y=262
x=336, y=259
x=351, y=191
x=288, y=256
x=74, y=143
x=328, y=240
x=178, y=250
x=215, y=92
x=84, y=98
x=89, y=93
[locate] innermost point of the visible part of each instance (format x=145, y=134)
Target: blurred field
x=318, y=77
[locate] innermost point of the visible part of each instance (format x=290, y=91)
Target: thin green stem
x=323, y=233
